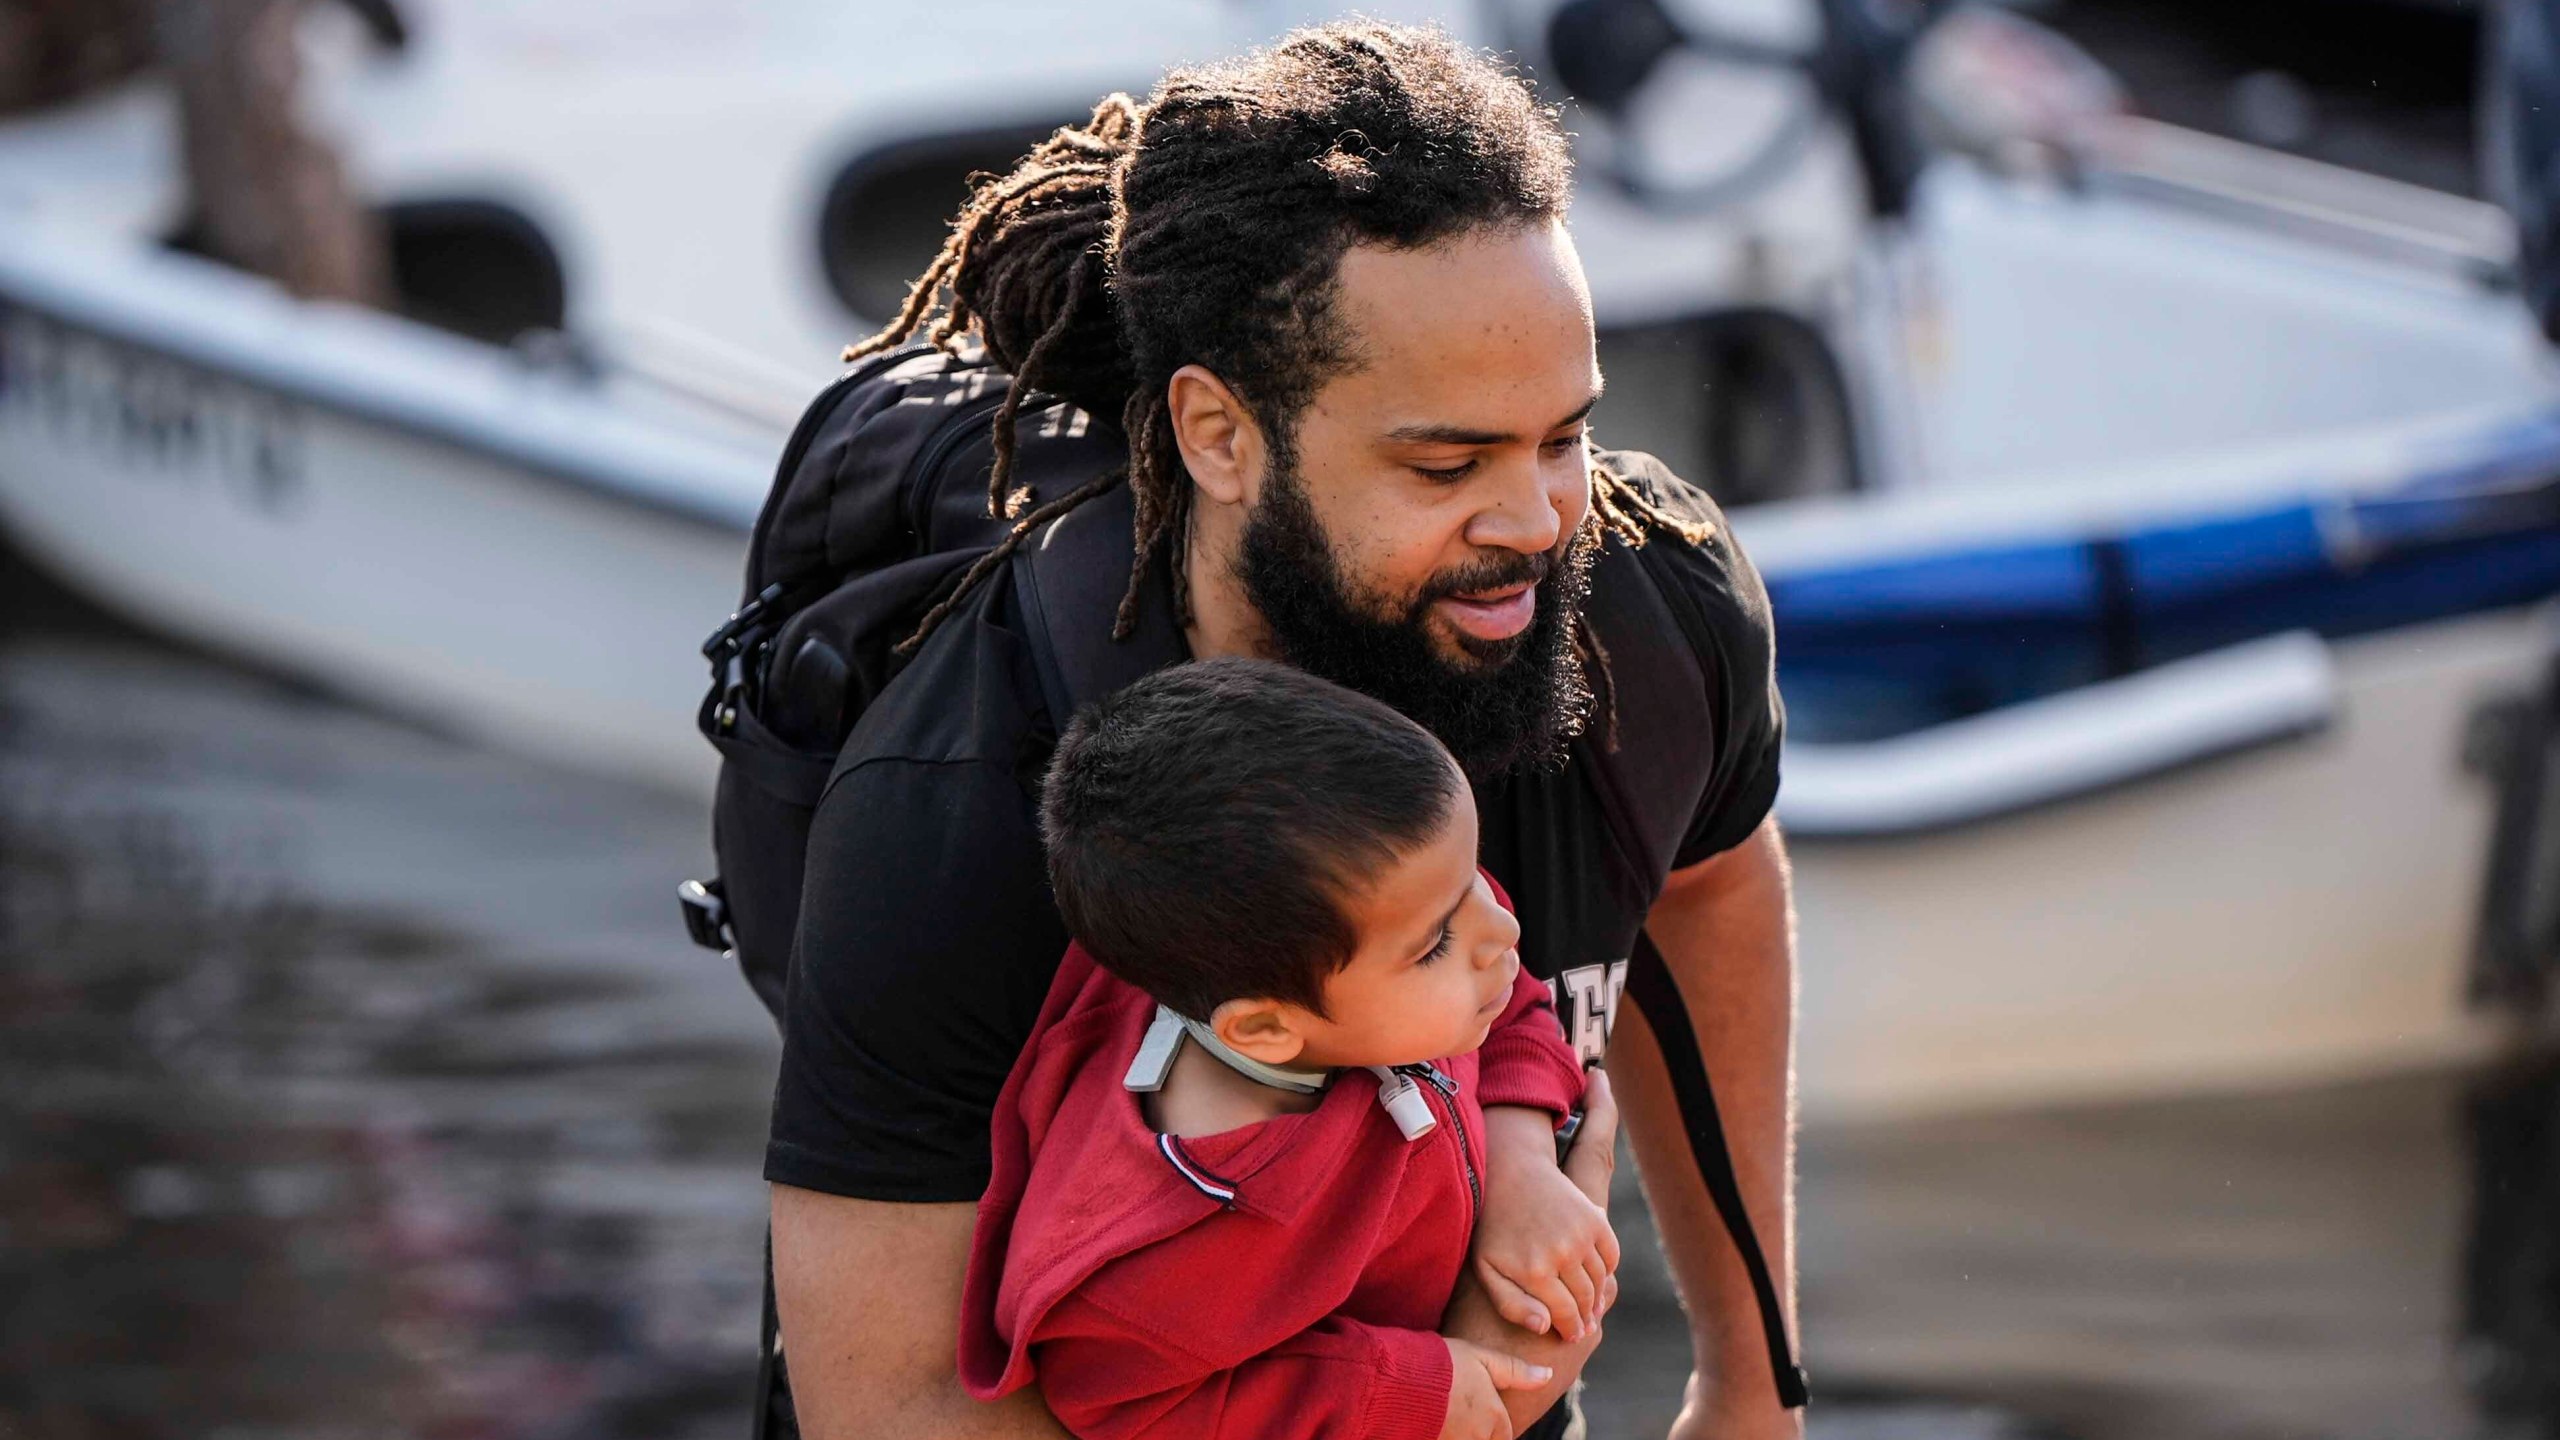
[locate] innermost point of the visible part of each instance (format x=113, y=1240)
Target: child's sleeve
x=1108, y=1376
x=1525, y=1060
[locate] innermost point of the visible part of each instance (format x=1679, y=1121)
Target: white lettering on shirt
x=1586, y=1001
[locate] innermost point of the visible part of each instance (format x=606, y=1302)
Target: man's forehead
x=1481, y=328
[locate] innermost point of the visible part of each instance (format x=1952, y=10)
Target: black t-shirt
x=928, y=936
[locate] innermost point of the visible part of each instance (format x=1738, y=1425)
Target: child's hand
x=1477, y=1378
x=1544, y=1249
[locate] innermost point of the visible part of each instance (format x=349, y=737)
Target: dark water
x=351, y=1083
x=354, y=1083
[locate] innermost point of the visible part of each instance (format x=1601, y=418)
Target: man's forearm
x=1726, y=930
x=869, y=1295
x=1022, y=1415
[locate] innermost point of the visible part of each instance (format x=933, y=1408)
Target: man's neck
x=1223, y=619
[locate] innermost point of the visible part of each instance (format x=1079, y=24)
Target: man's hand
x=1703, y=1417
x=1471, y=1315
x=1544, y=1249
x=1477, y=1378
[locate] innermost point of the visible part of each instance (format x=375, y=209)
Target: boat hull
x=472, y=590
x=2303, y=910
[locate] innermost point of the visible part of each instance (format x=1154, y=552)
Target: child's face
x=1435, y=965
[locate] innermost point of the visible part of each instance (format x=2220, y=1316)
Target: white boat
x=407, y=518
x=2226, y=864
x=2276, y=856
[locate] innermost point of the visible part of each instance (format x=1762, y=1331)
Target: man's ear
x=1264, y=1030
x=1220, y=444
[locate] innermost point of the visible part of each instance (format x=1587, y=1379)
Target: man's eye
x=1460, y=472
x=1566, y=445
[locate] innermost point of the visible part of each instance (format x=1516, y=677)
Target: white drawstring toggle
x=1405, y=1103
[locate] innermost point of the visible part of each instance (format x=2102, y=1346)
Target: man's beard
x=1512, y=703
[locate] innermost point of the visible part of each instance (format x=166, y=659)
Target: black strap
x=1649, y=981
x=1069, y=579
x=775, y=1419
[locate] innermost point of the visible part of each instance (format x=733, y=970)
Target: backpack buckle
x=706, y=915
x=724, y=641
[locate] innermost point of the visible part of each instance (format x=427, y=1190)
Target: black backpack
x=858, y=540
x=855, y=543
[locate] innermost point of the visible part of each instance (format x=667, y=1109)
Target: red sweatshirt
x=1284, y=1279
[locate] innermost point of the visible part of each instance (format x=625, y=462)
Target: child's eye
x=1439, y=947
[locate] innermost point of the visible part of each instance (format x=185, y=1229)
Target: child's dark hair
x=1205, y=823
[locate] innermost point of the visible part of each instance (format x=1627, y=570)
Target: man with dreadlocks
x=1326, y=294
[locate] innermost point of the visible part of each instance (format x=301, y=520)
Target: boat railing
x=2062, y=747
x=140, y=304
x=2386, y=218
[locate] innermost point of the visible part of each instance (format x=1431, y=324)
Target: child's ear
x=1265, y=1030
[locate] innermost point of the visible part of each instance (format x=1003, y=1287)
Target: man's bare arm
x=869, y=1298
x=1726, y=928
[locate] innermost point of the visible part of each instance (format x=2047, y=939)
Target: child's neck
x=1203, y=1095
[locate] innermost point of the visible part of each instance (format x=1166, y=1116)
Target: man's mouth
x=1496, y=614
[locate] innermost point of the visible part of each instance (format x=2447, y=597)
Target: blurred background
x=2143, y=412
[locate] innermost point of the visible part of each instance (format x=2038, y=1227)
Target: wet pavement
x=2282, y=1265
x=355, y=1083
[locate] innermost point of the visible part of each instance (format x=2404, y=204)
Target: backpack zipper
x=959, y=430
x=752, y=624
x=1448, y=1089
x=796, y=449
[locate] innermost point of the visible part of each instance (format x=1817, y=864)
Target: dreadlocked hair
x=1205, y=226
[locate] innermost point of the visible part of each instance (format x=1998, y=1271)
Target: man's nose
x=1523, y=511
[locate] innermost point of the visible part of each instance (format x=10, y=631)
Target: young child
x=1238, y=1165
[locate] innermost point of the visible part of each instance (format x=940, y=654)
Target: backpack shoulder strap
x=1657, y=994
x=1070, y=578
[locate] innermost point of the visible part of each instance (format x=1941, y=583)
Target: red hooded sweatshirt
x=1283, y=1279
